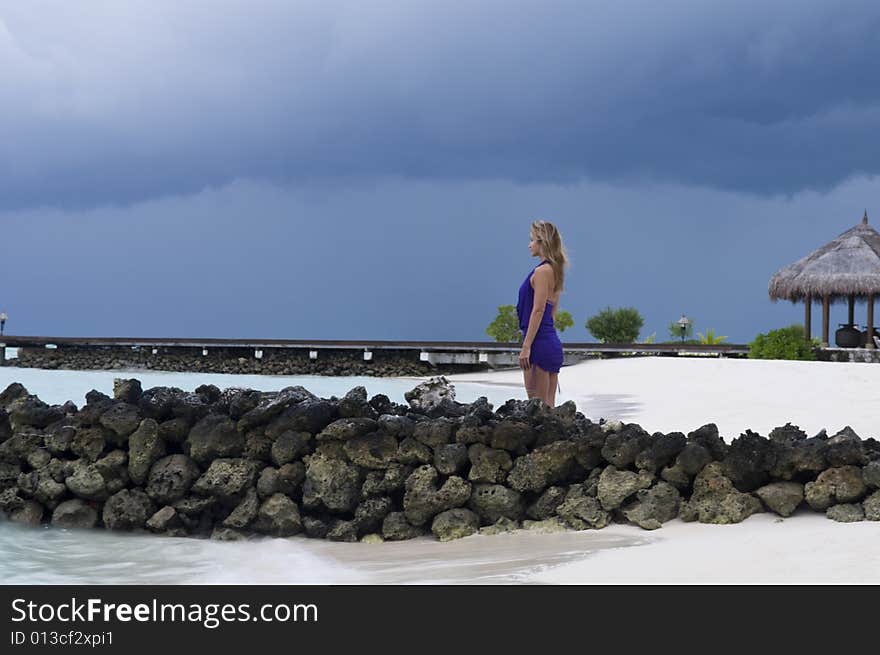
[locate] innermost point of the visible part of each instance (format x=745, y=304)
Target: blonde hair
x=550, y=243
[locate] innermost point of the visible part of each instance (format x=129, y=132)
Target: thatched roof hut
x=844, y=269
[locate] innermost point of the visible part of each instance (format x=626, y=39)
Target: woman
x=541, y=354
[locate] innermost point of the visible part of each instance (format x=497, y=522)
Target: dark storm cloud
x=121, y=103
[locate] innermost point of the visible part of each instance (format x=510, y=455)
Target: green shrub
x=616, y=325
x=675, y=331
x=784, y=343
x=563, y=320
x=710, y=338
x=505, y=327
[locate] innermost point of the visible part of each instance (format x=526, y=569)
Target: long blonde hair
x=550, y=242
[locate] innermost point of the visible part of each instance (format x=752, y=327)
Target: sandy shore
x=680, y=394
x=669, y=394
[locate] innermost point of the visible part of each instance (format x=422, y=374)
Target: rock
x=370, y=514
x=846, y=513
x=384, y=482
x=164, y=520
x=845, y=448
x=315, y=528
x=798, y=457
x=47, y=491
x=347, y=428
x=245, y=512
x=455, y=524
x=189, y=406
x=414, y=452
x=145, y=446
x=451, y=459
x=871, y=474
x=30, y=411
x=543, y=467
x=19, y=446
x=662, y=452
x=222, y=533
x=616, y=486
x=423, y=499
x=488, y=464
x=835, y=486
x=749, y=461
x=311, y=415
x=372, y=451
x=787, y=434
x=174, y=430
x=354, y=404
x=331, y=483
x=121, y=419
x=171, y=478
x=9, y=473
x=582, y=511
x=128, y=509
x=501, y=526
x=372, y=538
x=707, y=436
x=213, y=437
x=434, y=433
x=240, y=401
x=653, y=507
x=258, y=446
x=783, y=498
x=127, y=391
x=268, y=482
x=396, y=426
x=29, y=513
x=75, y=514
x=227, y=480
x=89, y=442
x=59, y=440
x=472, y=431
x=156, y=403
x=395, y=527
x=514, y=436
x=548, y=526
x=278, y=516
x=871, y=505
x=209, y=393
x=12, y=393
x=621, y=448
x=545, y=506
x=381, y=404
x=38, y=458
x=290, y=446
x=340, y=530
x=493, y=501
x=430, y=396
x=87, y=482
x=716, y=500
x=290, y=479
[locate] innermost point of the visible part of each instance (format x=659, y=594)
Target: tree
x=616, y=325
x=563, y=320
x=505, y=327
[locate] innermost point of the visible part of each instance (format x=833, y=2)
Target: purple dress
x=546, y=348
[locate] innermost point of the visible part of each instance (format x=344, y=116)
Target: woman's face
x=534, y=248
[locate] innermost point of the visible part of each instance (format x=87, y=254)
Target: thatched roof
x=849, y=265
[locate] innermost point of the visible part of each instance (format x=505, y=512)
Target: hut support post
x=870, y=340
x=808, y=310
x=825, y=311
x=851, y=319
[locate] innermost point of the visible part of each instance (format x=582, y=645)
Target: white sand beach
x=660, y=394
x=681, y=394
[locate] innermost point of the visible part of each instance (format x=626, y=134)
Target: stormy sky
x=345, y=170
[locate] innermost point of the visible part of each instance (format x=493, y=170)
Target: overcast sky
x=345, y=170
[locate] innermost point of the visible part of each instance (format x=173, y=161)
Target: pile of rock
x=229, y=464
x=238, y=361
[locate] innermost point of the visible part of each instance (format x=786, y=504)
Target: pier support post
x=870, y=341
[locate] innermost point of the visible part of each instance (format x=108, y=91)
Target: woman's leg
x=529, y=381
x=540, y=382
x=551, y=389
